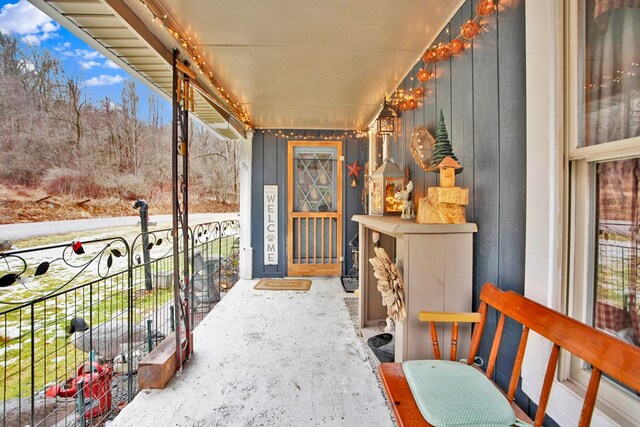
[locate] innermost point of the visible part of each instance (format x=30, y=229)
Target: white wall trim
x=373, y=158
x=546, y=183
x=245, y=165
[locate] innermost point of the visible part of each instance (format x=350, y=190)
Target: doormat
x=283, y=285
x=350, y=284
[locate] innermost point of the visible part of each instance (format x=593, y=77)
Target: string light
x=442, y=52
x=434, y=54
x=291, y=135
x=192, y=52
x=616, y=78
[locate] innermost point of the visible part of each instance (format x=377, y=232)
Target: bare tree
x=53, y=135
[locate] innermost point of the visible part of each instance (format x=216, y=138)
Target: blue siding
x=482, y=95
x=270, y=167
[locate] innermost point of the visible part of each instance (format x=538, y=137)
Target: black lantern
x=386, y=119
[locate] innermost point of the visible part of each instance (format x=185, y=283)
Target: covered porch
x=273, y=358
x=303, y=87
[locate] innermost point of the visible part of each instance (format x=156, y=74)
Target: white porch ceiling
x=321, y=64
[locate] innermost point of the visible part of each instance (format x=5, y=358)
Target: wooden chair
x=434, y=317
x=604, y=353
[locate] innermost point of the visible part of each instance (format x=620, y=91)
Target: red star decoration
x=354, y=169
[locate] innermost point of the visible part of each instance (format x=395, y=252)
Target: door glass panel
x=616, y=290
x=314, y=181
x=610, y=71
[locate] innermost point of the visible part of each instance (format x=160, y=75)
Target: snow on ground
x=270, y=358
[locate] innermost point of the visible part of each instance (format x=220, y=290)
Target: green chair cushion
x=456, y=394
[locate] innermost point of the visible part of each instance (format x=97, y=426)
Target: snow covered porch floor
x=270, y=358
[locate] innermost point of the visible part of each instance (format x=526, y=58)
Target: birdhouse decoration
x=447, y=169
x=444, y=204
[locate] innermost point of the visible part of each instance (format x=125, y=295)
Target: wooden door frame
x=315, y=269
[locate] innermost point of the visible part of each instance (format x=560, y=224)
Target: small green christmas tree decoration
x=442, y=148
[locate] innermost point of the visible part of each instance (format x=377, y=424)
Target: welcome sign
x=270, y=225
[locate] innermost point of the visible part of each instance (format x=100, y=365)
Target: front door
x=315, y=208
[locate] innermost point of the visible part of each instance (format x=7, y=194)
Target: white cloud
x=88, y=54
x=86, y=58
x=27, y=21
x=80, y=54
x=31, y=39
x=62, y=47
x=49, y=27
x=104, y=80
x=110, y=64
x=27, y=65
x=87, y=65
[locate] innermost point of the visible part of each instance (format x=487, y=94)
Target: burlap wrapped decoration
x=389, y=284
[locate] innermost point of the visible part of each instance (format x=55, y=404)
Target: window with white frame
x=603, y=93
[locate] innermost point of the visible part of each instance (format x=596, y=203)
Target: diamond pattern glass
x=314, y=185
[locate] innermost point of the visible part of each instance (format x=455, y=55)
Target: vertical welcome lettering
x=270, y=225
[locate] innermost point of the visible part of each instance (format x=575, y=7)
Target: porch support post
x=245, y=165
x=175, y=209
x=182, y=99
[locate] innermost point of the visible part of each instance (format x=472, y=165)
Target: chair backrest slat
x=434, y=340
x=546, y=385
x=454, y=341
x=493, y=356
x=517, y=365
x=590, y=398
x=477, y=333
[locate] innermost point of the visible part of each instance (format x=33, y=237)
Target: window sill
x=565, y=404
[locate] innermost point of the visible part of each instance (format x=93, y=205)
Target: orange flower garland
x=430, y=56
x=470, y=30
x=485, y=7
x=443, y=52
x=424, y=75
x=456, y=46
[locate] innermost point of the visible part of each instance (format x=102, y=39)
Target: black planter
x=383, y=346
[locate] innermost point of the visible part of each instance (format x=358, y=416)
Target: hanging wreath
x=389, y=284
x=421, y=145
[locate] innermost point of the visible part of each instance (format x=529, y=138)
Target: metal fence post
x=192, y=288
x=33, y=365
x=143, y=206
x=80, y=401
x=129, y=325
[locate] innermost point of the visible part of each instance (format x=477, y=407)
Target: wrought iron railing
x=77, y=318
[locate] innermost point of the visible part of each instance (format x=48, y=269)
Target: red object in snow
x=96, y=388
x=77, y=247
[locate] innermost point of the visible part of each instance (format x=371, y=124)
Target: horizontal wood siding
x=270, y=167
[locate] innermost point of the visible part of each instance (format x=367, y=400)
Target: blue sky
x=101, y=77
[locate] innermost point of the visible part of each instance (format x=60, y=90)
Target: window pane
x=611, y=71
x=617, y=296
x=315, y=179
